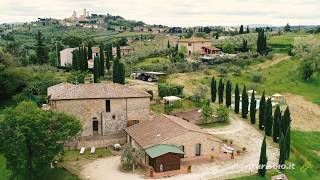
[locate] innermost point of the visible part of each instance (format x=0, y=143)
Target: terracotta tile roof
x=160, y=129
x=93, y=91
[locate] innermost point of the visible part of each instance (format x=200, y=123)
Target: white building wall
x=66, y=56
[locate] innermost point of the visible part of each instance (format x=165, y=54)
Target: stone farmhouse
x=198, y=45
x=104, y=109
x=168, y=141
x=66, y=56
x=124, y=50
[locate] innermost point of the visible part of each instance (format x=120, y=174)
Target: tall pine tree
x=283, y=151
x=262, y=106
x=213, y=89
x=263, y=159
x=115, y=71
x=285, y=121
x=268, y=118
x=42, y=55
x=228, y=93
x=253, y=104
x=244, y=103
x=96, y=69
x=220, y=91
x=102, y=61
x=276, y=124
x=121, y=73
x=237, y=99
x=241, y=30
x=118, y=52
x=288, y=142
x=109, y=56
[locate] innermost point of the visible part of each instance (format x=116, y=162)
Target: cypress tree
x=248, y=30
x=263, y=159
x=237, y=99
x=168, y=45
x=283, y=151
x=96, y=69
x=102, y=65
x=213, y=89
x=288, y=142
x=74, y=59
x=118, y=52
x=109, y=56
x=285, y=121
x=276, y=124
x=228, y=93
x=253, y=104
x=115, y=71
x=86, y=58
x=42, y=55
x=241, y=30
x=90, y=50
x=220, y=91
x=261, y=111
x=121, y=73
x=244, y=102
x=268, y=118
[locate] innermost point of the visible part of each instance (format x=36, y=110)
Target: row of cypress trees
x=80, y=59
x=101, y=64
x=275, y=125
x=262, y=43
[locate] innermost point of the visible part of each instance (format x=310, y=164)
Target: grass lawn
x=48, y=174
x=185, y=106
x=305, y=154
x=73, y=155
x=153, y=61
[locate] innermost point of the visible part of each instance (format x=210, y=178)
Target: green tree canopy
x=30, y=138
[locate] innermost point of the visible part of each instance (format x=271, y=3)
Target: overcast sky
x=172, y=12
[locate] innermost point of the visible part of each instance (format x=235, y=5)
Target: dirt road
x=305, y=115
x=241, y=132
x=275, y=60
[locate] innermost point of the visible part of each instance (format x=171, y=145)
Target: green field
x=152, y=61
x=305, y=154
x=282, y=78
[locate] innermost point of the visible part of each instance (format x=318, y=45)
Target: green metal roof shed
x=161, y=149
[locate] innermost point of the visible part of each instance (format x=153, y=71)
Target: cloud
x=171, y=12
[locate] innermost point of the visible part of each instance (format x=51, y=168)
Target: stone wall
x=109, y=123
x=189, y=141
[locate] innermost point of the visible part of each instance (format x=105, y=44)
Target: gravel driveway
x=241, y=132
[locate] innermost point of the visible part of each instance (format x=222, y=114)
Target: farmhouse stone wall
x=109, y=123
x=189, y=141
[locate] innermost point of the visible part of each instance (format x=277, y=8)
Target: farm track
x=275, y=60
x=305, y=114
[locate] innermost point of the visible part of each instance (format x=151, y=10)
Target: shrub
x=166, y=89
x=257, y=78
x=223, y=113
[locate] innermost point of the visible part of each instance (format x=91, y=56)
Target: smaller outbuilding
x=168, y=140
x=164, y=157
